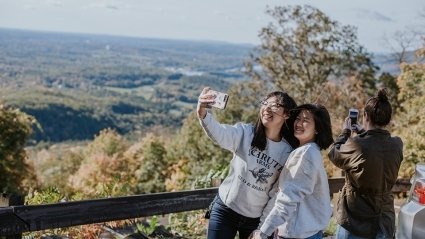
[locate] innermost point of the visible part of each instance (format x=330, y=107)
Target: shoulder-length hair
x=287, y=131
x=322, y=122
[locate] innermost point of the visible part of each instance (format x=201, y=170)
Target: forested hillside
x=76, y=85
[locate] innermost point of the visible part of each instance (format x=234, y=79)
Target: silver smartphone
x=220, y=100
x=354, y=115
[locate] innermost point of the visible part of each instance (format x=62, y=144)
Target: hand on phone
x=354, y=115
x=210, y=98
x=351, y=122
x=356, y=128
x=220, y=99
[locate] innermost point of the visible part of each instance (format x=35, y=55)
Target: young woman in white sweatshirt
x=302, y=207
x=260, y=151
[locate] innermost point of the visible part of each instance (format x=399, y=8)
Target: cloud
x=219, y=13
x=159, y=10
x=109, y=5
x=41, y=5
x=55, y=3
x=29, y=7
x=223, y=15
x=374, y=15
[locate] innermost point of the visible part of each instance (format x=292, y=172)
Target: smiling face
x=304, y=127
x=273, y=114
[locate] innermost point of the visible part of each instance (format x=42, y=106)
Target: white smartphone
x=354, y=115
x=220, y=100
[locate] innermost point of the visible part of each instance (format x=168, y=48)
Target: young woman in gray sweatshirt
x=259, y=154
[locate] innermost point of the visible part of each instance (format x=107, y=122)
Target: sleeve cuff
x=346, y=132
x=266, y=230
x=206, y=119
x=263, y=235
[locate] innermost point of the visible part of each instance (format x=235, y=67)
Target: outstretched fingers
x=205, y=98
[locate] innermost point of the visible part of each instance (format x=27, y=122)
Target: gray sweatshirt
x=302, y=207
x=253, y=174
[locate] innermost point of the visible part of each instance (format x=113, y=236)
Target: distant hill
x=388, y=62
x=77, y=84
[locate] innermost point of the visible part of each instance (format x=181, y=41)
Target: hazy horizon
x=236, y=21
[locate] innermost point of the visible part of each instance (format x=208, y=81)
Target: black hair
x=287, y=131
x=379, y=109
x=322, y=122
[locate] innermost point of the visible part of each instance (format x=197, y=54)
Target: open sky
x=235, y=21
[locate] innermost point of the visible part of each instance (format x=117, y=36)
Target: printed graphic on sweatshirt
x=261, y=175
x=265, y=160
x=254, y=186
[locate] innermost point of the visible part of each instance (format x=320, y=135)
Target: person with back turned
x=371, y=161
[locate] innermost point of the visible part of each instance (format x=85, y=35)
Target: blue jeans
x=224, y=223
x=342, y=233
x=318, y=235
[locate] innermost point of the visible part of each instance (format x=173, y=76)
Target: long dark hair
x=379, y=109
x=287, y=131
x=322, y=122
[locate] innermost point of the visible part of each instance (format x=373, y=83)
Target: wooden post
x=4, y=200
x=14, y=200
x=215, y=182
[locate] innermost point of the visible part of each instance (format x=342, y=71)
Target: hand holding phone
x=220, y=99
x=354, y=115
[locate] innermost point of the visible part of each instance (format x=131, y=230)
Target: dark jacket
x=371, y=161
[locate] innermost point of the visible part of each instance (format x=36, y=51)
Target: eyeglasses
x=274, y=106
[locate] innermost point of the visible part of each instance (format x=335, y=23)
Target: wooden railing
x=15, y=220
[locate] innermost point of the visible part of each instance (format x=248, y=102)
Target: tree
x=411, y=118
x=304, y=50
x=16, y=173
x=104, y=171
x=403, y=44
x=56, y=164
x=406, y=42
x=150, y=165
x=191, y=155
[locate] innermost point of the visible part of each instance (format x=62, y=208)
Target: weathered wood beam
x=10, y=223
x=18, y=219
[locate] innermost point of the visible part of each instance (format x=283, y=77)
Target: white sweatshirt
x=253, y=174
x=302, y=206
